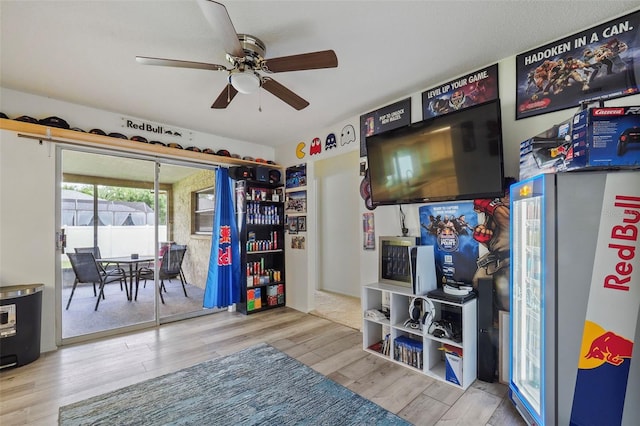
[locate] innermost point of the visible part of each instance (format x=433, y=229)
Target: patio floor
x=116, y=311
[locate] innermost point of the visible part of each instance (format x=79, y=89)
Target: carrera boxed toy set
x=598, y=137
x=607, y=137
x=546, y=152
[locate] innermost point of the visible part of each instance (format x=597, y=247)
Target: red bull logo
x=611, y=348
x=600, y=346
x=603, y=372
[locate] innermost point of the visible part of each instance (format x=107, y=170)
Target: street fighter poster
x=387, y=118
x=449, y=227
x=472, y=89
x=600, y=63
x=471, y=240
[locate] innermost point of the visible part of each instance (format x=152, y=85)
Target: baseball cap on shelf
x=223, y=152
x=193, y=148
x=139, y=139
x=97, y=132
x=54, y=121
x=3, y=115
x=247, y=158
x=158, y=143
x=235, y=156
x=77, y=129
x=274, y=176
x=27, y=119
x=261, y=160
x=117, y=135
x=209, y=151
x=241, y=172
x=174, y=145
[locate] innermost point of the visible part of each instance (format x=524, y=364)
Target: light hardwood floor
x=32, y=394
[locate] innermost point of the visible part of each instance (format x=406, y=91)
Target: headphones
x=423, y=322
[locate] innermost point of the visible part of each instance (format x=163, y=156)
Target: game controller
x=462, y=290
x=441, y=329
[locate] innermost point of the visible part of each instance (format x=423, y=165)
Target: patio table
x=133, y=266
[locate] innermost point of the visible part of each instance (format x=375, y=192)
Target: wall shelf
x=261, y=228
x=73, y=137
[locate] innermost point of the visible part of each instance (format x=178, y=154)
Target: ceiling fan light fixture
x=246, y=82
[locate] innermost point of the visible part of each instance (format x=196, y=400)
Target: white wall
x=387, y=218
x=27, y=193
x=15, y=104
x=27, y=228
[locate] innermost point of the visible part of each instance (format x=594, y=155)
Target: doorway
x=126, y=208
x=338, y=233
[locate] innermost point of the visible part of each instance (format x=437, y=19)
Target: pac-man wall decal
x=300, y=150
x=316, y=146
x=347, y=135
x=330, y=142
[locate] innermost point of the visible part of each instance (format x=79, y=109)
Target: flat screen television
x=456, y=156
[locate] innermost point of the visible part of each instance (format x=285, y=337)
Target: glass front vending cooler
x=527, y=319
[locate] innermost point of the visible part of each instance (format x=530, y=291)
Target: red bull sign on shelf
x=614, y=302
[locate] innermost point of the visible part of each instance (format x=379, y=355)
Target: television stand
x=443, y=358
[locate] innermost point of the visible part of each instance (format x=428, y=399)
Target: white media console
x=447, y=359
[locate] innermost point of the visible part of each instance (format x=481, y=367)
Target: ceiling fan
x=245, y=54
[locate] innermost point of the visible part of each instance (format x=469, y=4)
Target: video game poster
x=387, y=118
x=296, y=176
x=599, y=63
x=368, y=231
x=472, y=89
x=449, y=228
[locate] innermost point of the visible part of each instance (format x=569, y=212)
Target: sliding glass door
x=132, y=214
x=107, y=208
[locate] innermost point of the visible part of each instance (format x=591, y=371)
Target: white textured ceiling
x=84, y=52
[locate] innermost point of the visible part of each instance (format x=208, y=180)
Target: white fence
x=116, y=240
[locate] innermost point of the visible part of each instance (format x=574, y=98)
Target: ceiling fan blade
x=220, y=21
x=304, y=61
x=225, y=97
x=286, y=95
x=180, y=64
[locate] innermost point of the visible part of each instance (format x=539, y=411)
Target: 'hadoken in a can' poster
x=600, y=63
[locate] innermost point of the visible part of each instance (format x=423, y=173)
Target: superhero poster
x=388, y=118
x=472, y=89
x=600, y=63
x=448, y=227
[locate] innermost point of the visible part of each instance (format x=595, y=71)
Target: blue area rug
x=259, y=385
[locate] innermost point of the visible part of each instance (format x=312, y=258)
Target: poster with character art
x=600, y=63
x=471, y=241
x=449, y=227
x=471, y=89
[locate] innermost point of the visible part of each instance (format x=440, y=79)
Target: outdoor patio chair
x=184, y=279
x=112, y=269
x=170, y=267
x=87, y=270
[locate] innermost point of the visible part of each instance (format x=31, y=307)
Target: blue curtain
x=223, y=279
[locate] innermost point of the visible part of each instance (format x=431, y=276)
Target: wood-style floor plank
x=32, y=394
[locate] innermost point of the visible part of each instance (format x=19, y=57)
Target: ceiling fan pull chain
x=260, y=99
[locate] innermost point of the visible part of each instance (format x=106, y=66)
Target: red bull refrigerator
x=575, y=298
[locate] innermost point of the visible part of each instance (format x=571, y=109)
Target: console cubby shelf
x=414, y=348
